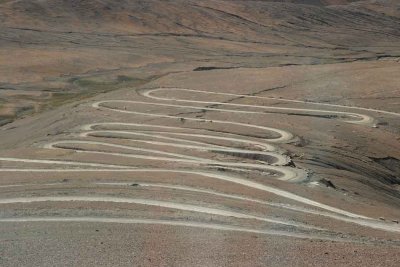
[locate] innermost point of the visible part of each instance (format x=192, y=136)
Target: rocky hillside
x=52, y=49
x=285, y=22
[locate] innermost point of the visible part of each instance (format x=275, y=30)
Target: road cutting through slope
x=363, y=119
x=360, y=220
x=363, y=221
x=156, y=203
x=220, y=227
x=218, y=176
x=284, y=136
x=62, y=162
x=289, y=174
x=278, y=158
x=184, y=138
x=263, y=145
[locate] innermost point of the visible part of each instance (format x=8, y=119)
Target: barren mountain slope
x=199, y=133
x=58, y=50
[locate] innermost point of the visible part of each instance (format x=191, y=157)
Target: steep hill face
x=259, y=20
x=313, y=2
x=57, y=43
x=279, y=21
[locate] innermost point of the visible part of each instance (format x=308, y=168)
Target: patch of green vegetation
x=89, y=87
x=92, y=84
x=2, y=104
x=78, y=89
x=4, y=120
x=124, y=78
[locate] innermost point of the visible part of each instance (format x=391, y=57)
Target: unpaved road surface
x=199, y=133
x=202, y=162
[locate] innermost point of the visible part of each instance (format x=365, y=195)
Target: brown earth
x=150, y=162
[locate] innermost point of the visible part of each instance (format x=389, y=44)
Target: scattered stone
x=205, y=68
x=290, y=164
x=395, y=221
x=327, y=183
x=383, y=123
x=382, y=219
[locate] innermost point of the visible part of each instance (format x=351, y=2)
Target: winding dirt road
x=211, y=154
